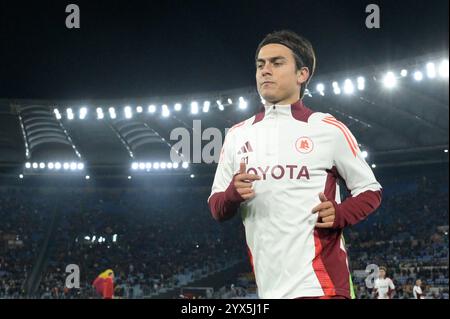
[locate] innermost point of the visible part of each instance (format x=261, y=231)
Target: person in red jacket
x=104, y=284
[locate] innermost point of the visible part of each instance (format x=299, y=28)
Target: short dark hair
x=301, y=47
x=382, y=268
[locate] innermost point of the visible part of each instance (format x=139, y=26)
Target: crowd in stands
x=156, y=240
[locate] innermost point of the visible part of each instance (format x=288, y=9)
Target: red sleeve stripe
x=350, y=141
x=332, y=119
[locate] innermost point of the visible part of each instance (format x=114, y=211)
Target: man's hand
x=243, y=182
x=327, y=213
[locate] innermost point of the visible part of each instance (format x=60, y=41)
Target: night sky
x=147, y=48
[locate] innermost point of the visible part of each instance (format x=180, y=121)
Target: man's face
x=382, y=274
x=276, y=76
x=419, y=282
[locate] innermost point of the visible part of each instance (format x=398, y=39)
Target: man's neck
x=289, y=101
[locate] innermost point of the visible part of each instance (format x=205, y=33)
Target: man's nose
x=266, y=70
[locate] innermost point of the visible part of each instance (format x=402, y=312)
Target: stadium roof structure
x=399, y=112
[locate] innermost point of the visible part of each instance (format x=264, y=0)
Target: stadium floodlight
x=128, y=112
x=242, y=103
x=57, y=166
x=41, y=165
x=66, y=166
x=445, y=151
x=35, y=165
x=112, y=113
x=192, y=176
x=336, y=88
x=206, y=106
x=73, y=166
x=443, y=69
x=404, y=73
x=177, y=107
x=220, y=105
x=80, y=166
x=185, y=165
x=431, y=70
x=165, y=111
x=21, y=176
x=27, y=165
x=129, y=177
x=69, y=113
x=230, y=101
x=389, y=80
x=57, y=114
x=320, y=88
x=114, y=238
x=364, y=154
x=87, y=238
x=348, y=87
x=162, y=165
x=152, y=108
x=51, y=165
x=134, y=166
x=360, y=83
x=156, y=165
x=374, y=166
x=175, y=165
x=418, y=76
x=148, y=166
x=194, y=108
x=169, y=165
x=83, y=113
x=87, y=177
x=139, y=109
x=100, y=114
x=141, y=166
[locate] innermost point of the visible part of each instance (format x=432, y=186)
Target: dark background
x=143, y=48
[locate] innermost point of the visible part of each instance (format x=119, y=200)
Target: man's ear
x=302, y=75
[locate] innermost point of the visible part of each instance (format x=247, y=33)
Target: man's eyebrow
x=271, y=59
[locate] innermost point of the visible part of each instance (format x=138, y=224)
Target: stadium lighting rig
x=165, y=110
x=349, y=88
x=158, y=166
x=206, y=106
x=177, y=107
x=54, y=166
x=194, y=107
x=418, y=76
x=390, y=79
x=433, y=70
x=151, y=108
x=242, y=103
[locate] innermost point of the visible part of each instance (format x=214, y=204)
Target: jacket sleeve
x=365, y=190
x=224, y=200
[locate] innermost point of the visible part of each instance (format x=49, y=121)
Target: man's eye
x=277, y=63
x=259, y=66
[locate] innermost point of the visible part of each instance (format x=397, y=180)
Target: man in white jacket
x=281, y=167
x=417, y=290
